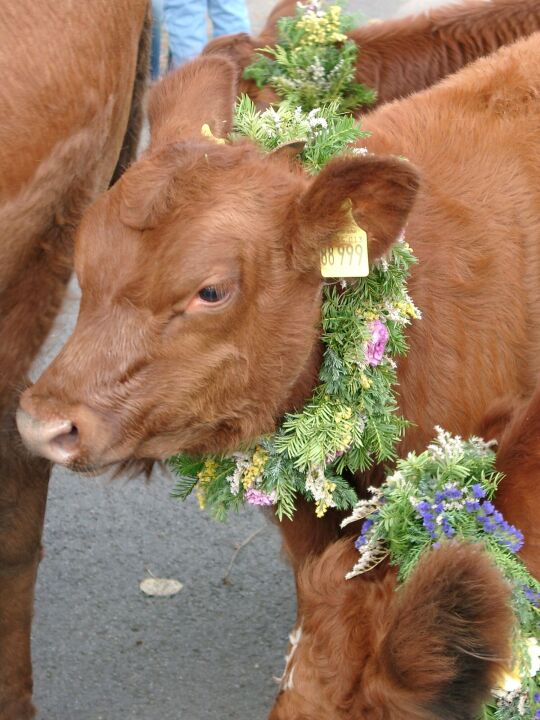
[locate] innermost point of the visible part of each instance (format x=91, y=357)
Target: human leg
x=228, y=16
x=185, y=21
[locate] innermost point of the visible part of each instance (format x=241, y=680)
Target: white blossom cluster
x=371, y=554
x=243, y=461
x=363, y=508
x=318, y=485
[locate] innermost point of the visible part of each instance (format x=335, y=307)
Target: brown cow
x=401, y=56
x=72, y=77
x=362, y=650
x=432, y=650
x=201, y=329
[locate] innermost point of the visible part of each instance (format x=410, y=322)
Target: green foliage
x=313, y=62
x=326, y=133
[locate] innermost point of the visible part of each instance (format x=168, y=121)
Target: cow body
x=400, y=56
x=72, y=77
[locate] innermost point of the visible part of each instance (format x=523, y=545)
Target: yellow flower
x=365, y=382
x=254, y=471
x=200, y=494
x=208, y=471
x=321, y=29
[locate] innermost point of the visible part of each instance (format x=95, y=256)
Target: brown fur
x=399, y=57
x=516, y=425
x=65, y=116
x=430, y=651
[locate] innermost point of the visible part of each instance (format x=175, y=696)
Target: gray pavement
x=103, y=650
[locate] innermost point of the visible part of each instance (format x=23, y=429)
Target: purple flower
x=537, y=697
x=360, y=541
x=534, y=598
x=478, y=491
x=376, y=347
x=258, y=497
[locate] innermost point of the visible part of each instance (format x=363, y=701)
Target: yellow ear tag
x=209, y=135
x=347, y=257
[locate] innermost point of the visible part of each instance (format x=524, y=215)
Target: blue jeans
x=157, y=19
x=186, y=24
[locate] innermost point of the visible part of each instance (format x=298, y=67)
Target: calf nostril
x=67, y=441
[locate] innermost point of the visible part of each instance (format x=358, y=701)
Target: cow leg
x=28, y=307
x=23, y=492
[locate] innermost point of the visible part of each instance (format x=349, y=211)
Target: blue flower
x=478, y=491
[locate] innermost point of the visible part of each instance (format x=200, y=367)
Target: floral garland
x=313, y=62
x=350, y=422
x=446, y=493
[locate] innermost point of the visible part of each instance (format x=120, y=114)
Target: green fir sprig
x=445, y=494
x=325, y=131
x=313, y=62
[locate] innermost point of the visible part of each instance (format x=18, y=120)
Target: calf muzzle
x=63, y=436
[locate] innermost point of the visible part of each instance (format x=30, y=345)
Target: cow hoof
x=21, y=709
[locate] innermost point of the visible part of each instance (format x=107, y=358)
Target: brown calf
x=434, y=649
x=399, y=57
x=72, y=74
x=201, y=329
x=361, y=649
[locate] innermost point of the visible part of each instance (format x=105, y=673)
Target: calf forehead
x=218, y=219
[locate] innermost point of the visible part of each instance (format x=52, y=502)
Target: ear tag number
x=348, y=255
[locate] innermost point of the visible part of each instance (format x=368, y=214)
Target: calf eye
x=212, y=294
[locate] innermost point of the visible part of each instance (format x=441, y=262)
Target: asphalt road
x=103, y=650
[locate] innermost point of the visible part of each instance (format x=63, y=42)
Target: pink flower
x=376, y=347
x=258, y=497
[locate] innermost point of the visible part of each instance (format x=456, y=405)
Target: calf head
x=431, y=650
x=199, y=272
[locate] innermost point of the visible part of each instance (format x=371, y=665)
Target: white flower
x=318, y=485
x=396, y=478
x=371, y=554
x=533, y=648
x=360, y=151
x=242, y=463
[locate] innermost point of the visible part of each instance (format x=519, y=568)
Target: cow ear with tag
x=367, y=195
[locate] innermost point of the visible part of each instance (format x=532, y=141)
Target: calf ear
x=448, y=638
x=238, y=47
x=201, y=92
x=382, y=191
